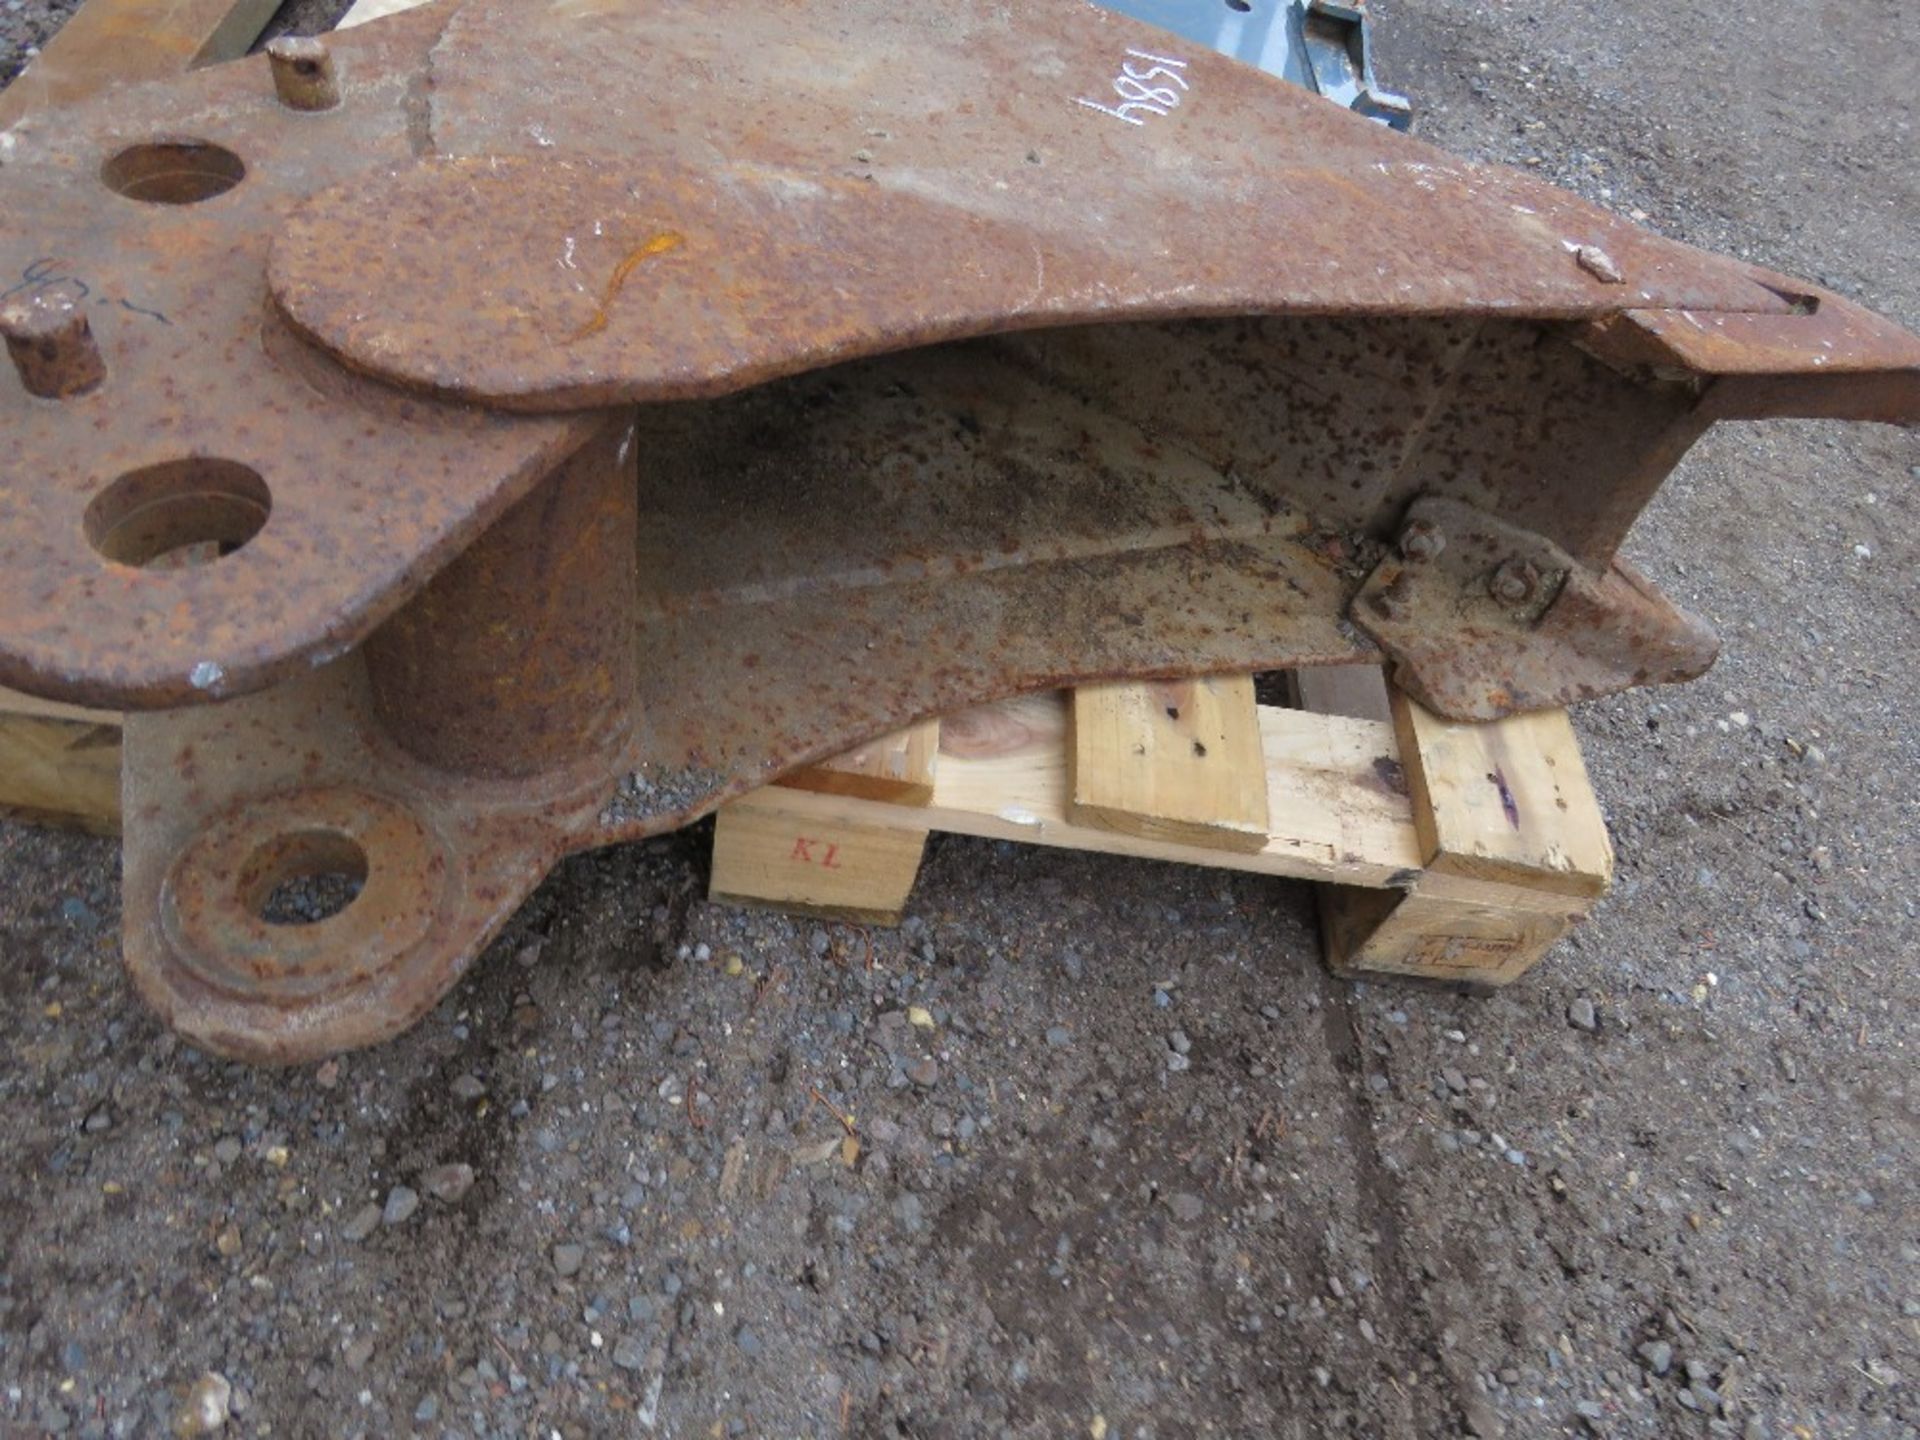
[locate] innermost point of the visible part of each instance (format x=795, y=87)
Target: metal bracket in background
x=1481, y=617
x=1339, y=50
x=1321, y=45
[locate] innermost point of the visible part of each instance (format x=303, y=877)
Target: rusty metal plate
x=1830, y=357
x=932, y=173
x=221, y=801
x=332, y=498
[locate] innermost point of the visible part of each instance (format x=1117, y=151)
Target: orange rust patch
x=660, y=244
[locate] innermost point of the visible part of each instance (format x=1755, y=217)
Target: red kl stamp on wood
x=803, y=852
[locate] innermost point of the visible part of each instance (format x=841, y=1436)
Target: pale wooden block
x=1335, y=788
x=14, y=702
x=59, y=764
x=1385, y=932
x=1500, y=894
x=1483, y=903
x=775, y=847
x=1172, y=760
x=897, y=767
x=1508, y=800
x=1334, y=808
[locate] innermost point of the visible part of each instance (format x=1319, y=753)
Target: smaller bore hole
x=304, y=877
x=1240, y=6
x=178, y=513
x=173, y=172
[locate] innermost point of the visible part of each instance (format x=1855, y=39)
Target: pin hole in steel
x=303, y=877
x=178, y=513
x=172, y=171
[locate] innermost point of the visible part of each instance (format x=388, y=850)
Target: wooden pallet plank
x=1003, y=774
x=118, y=42
x=1175, y=760
x=1334, y=785
x=1504, y=801
x=59, y=764
x=779, y=847
x=897, y=767
x=1526, y=899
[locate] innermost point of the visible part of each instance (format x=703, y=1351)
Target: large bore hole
x=173, y=172
x=178, y=513
x=304, y=877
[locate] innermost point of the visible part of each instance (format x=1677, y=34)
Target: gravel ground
x=1128, y=1163
x=25, y=26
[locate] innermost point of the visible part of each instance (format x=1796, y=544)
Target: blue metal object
x=1322, y=45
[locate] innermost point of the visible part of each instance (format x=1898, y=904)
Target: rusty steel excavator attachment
x=513, y=427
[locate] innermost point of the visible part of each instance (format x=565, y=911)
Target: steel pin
x=303, y=72
x=52, y=345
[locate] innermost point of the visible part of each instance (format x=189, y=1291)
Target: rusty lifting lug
x=450, y=472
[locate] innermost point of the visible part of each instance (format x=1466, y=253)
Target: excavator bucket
x=510, y=428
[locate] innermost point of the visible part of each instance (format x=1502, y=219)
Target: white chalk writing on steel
x=1139, y=95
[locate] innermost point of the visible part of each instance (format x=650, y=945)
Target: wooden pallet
x=1459, y=853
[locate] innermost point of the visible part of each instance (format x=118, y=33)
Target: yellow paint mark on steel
x=659, y=245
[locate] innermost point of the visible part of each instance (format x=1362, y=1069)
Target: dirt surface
x=26, y=25
x=1144, y=1171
